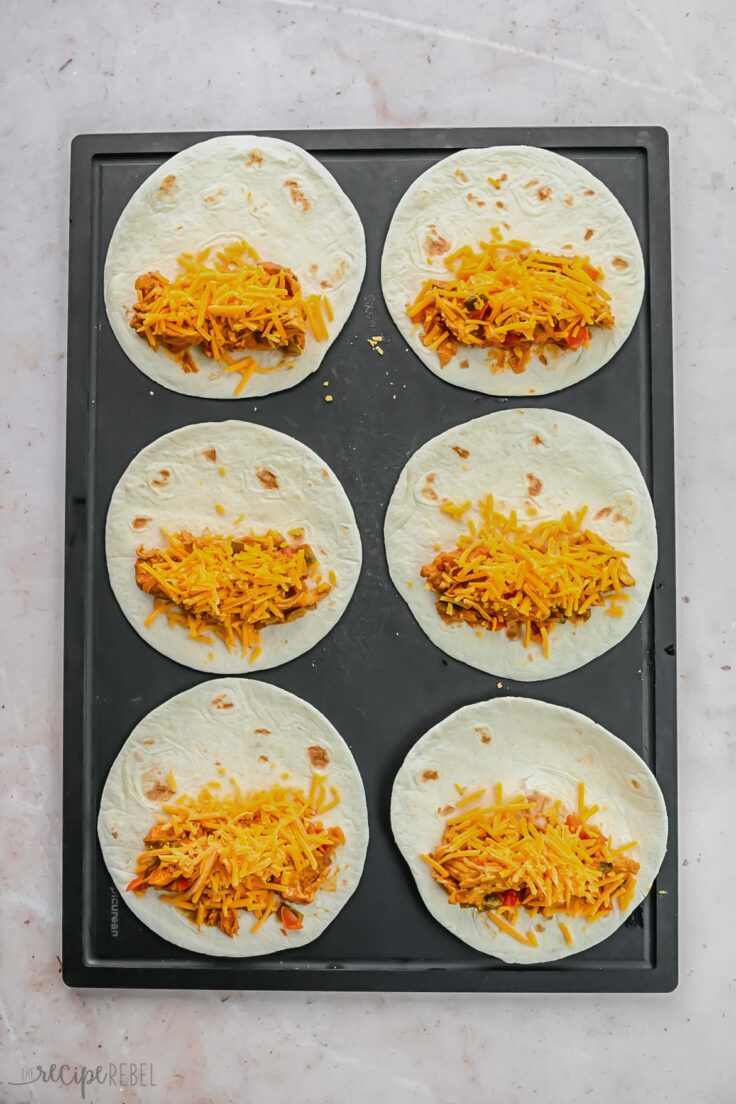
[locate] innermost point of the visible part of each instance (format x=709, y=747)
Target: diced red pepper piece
x=574, y=341
x=291, y=919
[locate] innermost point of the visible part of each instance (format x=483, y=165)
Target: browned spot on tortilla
x=636, y=784
x=512, y=632
x=434, y=243
x=267, y=478
x=431, y=477
x=314, y=269
x=255, y=159
x=221, y=702
x=537, y=440
x=588, y=234
x=485, y=736
x=165, y=189
x=318, y=756
x=298, y=197
x=543, y=359
x=149, y=742
x=114, y=833
x=340, y=270
x=622, y=519
x=472, y=198
x=539, y=927
x=602, y=513
x=210, y=454
x=502, y=177
x=155, y=786
x=262, y=758
x=544, y=193
x=140, y=522
x=498, y=358
x=163, y=478
x=429, y=775
x=568, y=246
x=569, y=200
x=462, y=452
x=445, y=810
x=534, y=484
x=531, y=183
x=263, y=731
x=214, y=197
x=464, y=363
x=588, y=191
x=336, y=276
x=620, y=263
x=460, y=175
x=500, y=203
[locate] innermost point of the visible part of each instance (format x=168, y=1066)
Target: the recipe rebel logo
x=120, y=1075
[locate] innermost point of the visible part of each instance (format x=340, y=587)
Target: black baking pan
x=376, y=676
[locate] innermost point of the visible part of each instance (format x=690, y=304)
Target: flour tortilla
x=453, y=204
x=307, y=495
x=527, y=459
x=526, y=745
x=270, y=192
x=234, y=723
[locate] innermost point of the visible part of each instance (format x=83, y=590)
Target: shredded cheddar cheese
x=231, y=586
x=233, y=304
x=511, y=298
x=504, y=573
x=527, y=854
x=455, y=510
x=566, y=934
x=216, y=854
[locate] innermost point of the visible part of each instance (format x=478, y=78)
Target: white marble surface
x=84, y=65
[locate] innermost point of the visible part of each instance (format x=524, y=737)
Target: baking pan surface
x=376, y=676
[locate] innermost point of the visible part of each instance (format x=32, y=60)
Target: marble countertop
x=76, y=66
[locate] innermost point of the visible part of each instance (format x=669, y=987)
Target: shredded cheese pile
x=528, y=854
x=231, y=586
x=504, y=573
x=509, y=297
x=216, y=854
x=236, y=303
